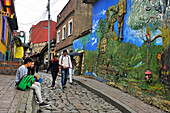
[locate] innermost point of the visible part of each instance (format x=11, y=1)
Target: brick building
x=75, y=18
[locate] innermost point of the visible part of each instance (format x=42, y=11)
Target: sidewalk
x=9, y=96
x=13, y=100
x=119, y=96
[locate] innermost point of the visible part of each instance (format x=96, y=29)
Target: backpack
x=25, y=82
x=52, y=60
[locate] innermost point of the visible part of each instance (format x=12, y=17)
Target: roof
x=40, y=31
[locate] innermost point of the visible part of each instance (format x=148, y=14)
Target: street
x=73, y=99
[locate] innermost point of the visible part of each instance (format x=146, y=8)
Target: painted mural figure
x=121, y=10
x=111, y=17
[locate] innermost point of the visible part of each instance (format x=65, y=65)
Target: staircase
x=9, y=67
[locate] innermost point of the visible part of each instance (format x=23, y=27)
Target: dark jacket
x=54, y=65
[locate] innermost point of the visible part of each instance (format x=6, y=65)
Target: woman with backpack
x=54, y=65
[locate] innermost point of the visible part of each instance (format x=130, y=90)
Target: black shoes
x=64, y=87
x=43, y=104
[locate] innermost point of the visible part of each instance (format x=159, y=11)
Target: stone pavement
x=73, y=99
x=9, y=96
x=130, y=101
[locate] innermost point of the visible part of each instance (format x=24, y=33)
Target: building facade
x=39, y=35
x=8, y=23
x=75, y=18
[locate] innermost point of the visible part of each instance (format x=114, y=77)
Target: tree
x=139, y=17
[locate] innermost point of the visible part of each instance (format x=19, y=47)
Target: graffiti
x=139, y=61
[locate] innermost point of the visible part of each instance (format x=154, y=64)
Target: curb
x=122, y=107
x=27, y=102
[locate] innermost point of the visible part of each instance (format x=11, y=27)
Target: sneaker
x=37, y=101
x=44, y=104
x=71, y=83
x=53, y=88
x=64, y=87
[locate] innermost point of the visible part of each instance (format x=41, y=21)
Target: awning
x=75, y=54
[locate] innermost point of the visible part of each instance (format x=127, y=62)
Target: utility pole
x=48, y=32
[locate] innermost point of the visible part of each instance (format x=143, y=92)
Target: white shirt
x=65, y=61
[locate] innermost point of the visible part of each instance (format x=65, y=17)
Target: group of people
x=64, y=66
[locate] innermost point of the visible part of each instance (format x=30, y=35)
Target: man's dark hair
x=27, y=60
x=65, y=51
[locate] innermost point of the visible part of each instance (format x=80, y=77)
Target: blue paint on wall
x=79, y=43
x=1, y=56
x=129, y=35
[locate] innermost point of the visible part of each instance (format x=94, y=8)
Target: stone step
x=8, y=71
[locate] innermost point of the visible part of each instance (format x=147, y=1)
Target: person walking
x=54, y=65
x=71, y=70
x=65, y=64
x=37, y=64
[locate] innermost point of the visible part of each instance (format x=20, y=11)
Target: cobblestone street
x=74, y=99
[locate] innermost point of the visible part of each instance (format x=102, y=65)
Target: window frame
x=64, y=34
x=69, y=34
x=58, y=38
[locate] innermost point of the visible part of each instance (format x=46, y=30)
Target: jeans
x=40, y=80
x=64, y=73
x=37, y=89
x=54, y=76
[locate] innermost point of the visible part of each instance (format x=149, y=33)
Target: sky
x=30, y=12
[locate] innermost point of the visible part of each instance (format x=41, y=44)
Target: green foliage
x=90, y=60
x=100, y=31
x=144, y=86
x=139, y=16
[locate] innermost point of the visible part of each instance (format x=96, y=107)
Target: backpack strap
x=62, y=60
x=21, y=79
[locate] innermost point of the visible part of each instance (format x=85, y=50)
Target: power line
x=42, y=16
x=23, y=5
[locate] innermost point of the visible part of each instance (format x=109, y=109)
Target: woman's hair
x=31, y=71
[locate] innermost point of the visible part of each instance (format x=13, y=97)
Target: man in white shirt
x=65, y=64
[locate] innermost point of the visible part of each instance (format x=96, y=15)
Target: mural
x=129, y=47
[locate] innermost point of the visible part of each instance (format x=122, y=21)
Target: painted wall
x=4, y=40
x=79, y=43
x=125, y=43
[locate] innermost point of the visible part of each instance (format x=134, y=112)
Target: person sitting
x=31, y=71
x=23, y=70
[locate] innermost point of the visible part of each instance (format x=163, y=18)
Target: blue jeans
x=40, y=80
x=64, y=73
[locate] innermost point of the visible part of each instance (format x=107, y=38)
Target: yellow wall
x=2, y=46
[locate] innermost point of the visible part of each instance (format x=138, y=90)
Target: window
x=3, y=36
x=58, y=36
x=64, y=32
x=70, y=27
